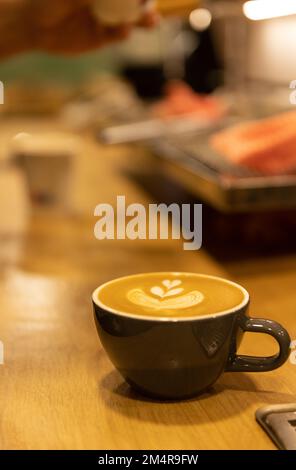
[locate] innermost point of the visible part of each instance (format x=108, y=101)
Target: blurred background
x=198, y=109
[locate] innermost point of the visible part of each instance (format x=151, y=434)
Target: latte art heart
x=166, y=297
x=139, y=297
x=170, y=295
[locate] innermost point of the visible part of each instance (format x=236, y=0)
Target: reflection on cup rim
x=99, y=303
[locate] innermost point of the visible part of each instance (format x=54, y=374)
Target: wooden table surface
x=58, y=390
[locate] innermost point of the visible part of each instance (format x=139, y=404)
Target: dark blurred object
x=148, y=80
x=203, y=70
x=201, y=67
x=239, y=236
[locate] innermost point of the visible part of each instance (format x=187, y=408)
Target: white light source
x=265, y=9
x=200, y=19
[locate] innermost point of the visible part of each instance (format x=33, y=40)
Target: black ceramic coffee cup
x=179, y=357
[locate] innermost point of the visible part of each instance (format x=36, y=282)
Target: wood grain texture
x=58, y=390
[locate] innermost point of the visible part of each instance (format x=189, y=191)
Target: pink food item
x=181, y=100
x=267, y=146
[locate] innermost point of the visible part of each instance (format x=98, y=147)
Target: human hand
x=58, y=26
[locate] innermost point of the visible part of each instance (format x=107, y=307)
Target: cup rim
x=99, y=303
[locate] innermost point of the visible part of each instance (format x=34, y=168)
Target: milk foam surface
x=170, y=295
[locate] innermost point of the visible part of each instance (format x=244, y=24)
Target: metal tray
x=227, y=187
x=279, y=421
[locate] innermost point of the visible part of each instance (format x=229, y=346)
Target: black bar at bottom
x=133, y=459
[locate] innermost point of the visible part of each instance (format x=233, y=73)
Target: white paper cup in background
x=115, y=12
x=47, y=161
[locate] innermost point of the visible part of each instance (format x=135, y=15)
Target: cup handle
x=261, y=364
